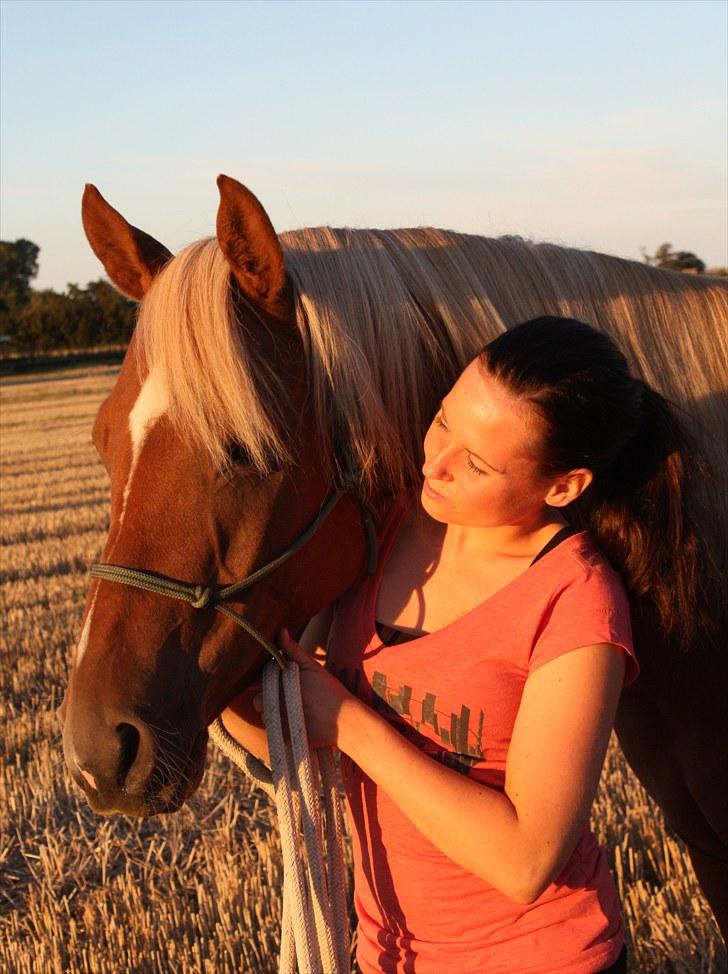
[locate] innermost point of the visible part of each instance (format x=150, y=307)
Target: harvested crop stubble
x=198, y=891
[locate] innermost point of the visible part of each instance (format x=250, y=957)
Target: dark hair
x=599, y=417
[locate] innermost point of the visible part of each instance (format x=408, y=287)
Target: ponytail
x=637, y=511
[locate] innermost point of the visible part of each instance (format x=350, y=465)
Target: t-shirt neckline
x=393, y=527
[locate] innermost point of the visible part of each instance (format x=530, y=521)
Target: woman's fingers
x=322, y=694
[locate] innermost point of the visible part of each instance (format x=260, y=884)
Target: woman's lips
x=429, y=492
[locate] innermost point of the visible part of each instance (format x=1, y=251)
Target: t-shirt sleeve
x=590, y=608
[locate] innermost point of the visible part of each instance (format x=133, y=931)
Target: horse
x=271, y=376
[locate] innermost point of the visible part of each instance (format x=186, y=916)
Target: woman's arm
x=243, y=716
x=518, y=841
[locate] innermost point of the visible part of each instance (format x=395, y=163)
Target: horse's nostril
x=129, y=736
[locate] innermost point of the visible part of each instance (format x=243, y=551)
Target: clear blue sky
x=599, y=124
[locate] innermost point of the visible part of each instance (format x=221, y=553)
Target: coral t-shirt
x=456, y=693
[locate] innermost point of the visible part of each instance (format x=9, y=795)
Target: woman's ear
x=567, y=487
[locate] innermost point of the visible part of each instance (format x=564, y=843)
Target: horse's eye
x=238, y=456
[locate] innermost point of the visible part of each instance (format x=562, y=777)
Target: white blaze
x=150, y=404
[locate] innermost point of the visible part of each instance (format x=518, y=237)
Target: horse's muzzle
x=126, y=767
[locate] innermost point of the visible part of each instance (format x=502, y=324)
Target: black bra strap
x=560, y=536
x=391, y=636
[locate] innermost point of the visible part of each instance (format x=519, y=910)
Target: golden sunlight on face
x=481, y=463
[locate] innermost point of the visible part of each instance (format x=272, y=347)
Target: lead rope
x=315, y=925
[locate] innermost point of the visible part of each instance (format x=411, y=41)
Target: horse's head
x=212, y=476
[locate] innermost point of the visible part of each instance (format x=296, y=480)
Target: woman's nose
x=437, y=467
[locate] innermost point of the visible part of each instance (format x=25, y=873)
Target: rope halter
x=216, y=597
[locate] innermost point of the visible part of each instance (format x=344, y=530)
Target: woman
x=472, y=684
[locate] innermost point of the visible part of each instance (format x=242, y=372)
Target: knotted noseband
x=212, y=596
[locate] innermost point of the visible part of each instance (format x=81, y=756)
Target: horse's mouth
x=163, y=793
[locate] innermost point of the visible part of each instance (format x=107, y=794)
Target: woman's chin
x=436, y=507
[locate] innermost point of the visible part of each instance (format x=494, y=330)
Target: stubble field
x=198, y=891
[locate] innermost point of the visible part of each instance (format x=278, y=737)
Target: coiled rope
x=315, y=927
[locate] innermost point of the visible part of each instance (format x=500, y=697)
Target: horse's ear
x=249, y=242
x=130, y=256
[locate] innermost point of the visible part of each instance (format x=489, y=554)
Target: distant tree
x=37, y=321
x=18, y=267
x=42, y=324
x=79, y=318
x=675, y=260
x=100, y=315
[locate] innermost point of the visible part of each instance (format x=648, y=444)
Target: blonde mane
x=388, y=318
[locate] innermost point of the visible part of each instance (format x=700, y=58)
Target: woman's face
x=481, y=464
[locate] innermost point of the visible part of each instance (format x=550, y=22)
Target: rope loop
x=204, y=595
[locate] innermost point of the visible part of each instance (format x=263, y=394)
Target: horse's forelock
x=221, y=389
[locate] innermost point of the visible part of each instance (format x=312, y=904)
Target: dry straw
x=197, y=892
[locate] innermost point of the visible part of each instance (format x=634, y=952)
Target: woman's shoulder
x=575, y=569
x=579, y=566
x=578, y=556
x=586, y=603
x=589, y=560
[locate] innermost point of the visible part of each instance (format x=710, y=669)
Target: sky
x=595, y=124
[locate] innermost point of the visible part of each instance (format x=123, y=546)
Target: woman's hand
x=325, y=699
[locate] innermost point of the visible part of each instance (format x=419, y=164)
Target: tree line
x=681, y=260
x=33, y=321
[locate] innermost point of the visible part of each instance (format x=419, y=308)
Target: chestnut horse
x=266, y=373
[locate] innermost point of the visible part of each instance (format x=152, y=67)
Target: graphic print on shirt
x=417, y=716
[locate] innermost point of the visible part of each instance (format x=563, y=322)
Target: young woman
x=471, y=685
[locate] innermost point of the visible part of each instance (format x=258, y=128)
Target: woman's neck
x=463, y=542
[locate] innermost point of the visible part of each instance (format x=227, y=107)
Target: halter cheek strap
x=215, y=597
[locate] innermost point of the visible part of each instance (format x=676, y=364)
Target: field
x=198, y=891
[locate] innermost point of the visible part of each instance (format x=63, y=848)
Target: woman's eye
x=474, y=468
x=438, y=421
